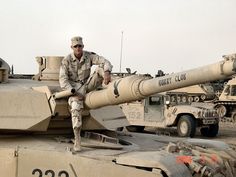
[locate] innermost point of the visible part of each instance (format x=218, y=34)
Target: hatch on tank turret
x=48, y=67
x=4, y=71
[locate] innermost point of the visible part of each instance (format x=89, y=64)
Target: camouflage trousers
x=76, y=104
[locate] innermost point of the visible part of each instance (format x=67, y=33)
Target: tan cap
x=76, y=41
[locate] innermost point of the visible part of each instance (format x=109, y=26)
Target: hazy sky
x=172, y=35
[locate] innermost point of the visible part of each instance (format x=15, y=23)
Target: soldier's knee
x=76, y=106
x=75, y=103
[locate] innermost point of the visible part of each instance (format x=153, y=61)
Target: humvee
x=172, y=109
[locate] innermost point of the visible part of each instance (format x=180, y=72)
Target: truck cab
x=229, y=91
x=226, y=103
x=172, y=109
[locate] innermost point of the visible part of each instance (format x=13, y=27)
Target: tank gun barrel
x=137, y=87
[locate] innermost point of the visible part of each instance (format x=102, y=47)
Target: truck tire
x=135, y=128
x=233, y=117
x=186, y=126
x=221, y=110
x=203, y=97
x=210, y=131
x=196, y=99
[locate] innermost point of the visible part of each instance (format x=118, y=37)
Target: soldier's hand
x=107, y=77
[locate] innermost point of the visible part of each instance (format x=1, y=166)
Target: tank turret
x=47, y=112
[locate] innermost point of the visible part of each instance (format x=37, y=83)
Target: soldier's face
x=78, y=50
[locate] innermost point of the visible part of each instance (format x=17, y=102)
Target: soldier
x=75, y=74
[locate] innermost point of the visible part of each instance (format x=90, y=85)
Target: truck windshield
x=233, y=90
x=155, y=100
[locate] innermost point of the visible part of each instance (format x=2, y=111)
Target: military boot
x=77, y=143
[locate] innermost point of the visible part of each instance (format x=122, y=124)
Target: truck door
x=154, y=108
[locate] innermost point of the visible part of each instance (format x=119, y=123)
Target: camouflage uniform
x=75, y=74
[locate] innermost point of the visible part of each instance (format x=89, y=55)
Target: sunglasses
x=78, y=46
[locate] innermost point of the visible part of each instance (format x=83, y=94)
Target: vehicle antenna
x=121, y=49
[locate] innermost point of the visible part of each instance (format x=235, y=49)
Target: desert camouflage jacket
x=73, y=73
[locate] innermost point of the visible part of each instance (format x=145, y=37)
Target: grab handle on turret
x=63, y=94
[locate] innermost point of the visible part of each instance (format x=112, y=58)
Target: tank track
x=226, y=103
x=228, y=122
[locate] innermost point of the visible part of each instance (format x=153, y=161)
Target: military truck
x=172, y=109
x=36, y=129
x=226, y=103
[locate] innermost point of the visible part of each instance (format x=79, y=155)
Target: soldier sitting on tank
x=75, y=74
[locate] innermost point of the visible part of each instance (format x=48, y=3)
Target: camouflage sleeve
x=101, y=61
x=63, y=76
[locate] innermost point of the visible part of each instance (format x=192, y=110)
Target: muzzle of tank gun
x=63, y=94
x=231, y=57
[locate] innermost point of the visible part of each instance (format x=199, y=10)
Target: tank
x=36, y=130
x=198, y=93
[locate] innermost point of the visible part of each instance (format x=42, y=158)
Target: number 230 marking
x=39, y=172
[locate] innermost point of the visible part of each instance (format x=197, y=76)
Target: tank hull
x=42, y=155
